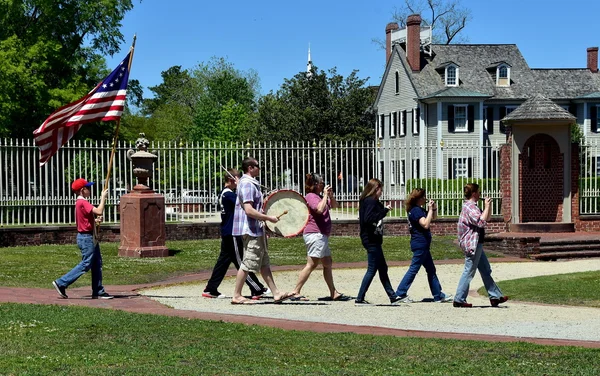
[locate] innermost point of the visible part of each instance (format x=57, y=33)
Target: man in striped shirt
x=248, y=223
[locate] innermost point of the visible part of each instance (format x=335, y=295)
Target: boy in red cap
x=86, y=217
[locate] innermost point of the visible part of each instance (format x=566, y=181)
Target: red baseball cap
x=80, y=183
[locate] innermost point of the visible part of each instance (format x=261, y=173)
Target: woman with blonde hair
x=319, y=199
x=419, y=222
x=370, y=214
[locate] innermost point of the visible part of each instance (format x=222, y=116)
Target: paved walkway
x=527, y=322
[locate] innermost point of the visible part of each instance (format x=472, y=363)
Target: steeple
x=309, y=64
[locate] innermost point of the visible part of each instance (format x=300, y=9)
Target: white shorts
x=317, y=245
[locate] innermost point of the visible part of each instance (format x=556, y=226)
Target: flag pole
x=114, y=146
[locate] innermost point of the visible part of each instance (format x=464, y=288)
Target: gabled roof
x=446, y=64
x=473, y=60
x=497, y=64
x=456, y=92
x=476, y=60
x=566, y=83
x=539, y=107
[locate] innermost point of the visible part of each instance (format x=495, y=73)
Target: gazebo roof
x=539, y=107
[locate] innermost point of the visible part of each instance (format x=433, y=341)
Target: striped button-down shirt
x=470, y=226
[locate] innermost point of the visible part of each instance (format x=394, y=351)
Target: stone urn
x=142, y=161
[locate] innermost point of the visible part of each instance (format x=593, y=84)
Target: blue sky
x=272, y=37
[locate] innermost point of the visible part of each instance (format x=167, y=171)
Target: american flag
x=104, y=103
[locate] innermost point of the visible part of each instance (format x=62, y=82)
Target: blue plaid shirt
x=247, y=191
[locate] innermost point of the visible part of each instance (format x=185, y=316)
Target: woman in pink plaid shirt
x=471, y=231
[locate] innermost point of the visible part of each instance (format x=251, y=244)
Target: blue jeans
x=90, y=259
x=375, y=263
x=421, y=257
x=479, y=262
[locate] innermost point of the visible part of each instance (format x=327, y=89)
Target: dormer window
x=451, y=75
x=503, y=75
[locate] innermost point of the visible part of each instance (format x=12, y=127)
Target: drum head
x=294, y=221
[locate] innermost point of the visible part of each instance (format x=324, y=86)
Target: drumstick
x=282, y=214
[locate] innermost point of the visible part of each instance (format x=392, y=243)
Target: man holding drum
x=231, y=246
x=247, y=223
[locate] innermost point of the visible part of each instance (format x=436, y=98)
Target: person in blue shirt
x=419, y=222
x=232, y=247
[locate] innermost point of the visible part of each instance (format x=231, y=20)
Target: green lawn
x=39, y=266
x=576, y=289
x=65, y=340
x=58, y=340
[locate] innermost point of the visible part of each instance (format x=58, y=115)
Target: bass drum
x=291, y=209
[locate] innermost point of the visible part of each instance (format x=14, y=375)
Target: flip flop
x=286, y=296
x=299, y=298
x=243, y=301
x=342, y=298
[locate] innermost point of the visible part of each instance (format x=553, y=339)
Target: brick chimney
x=413, y=41
x=592, y=59
x=392, y=26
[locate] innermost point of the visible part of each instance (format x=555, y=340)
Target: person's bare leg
x=267, y=275
x=311, y=264
x=239, y=284
x=328, y=276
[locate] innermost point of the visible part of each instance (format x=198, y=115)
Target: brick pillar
x=506, y=181
x=575, y=186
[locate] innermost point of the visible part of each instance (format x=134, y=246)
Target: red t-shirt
x=84, y=217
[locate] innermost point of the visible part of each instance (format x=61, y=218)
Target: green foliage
x=213, y=101
x=454, y=186
x=51, y=54
x=32, y=266
x=317, y=106
x=577, y=289
x=68, y=340
x=576, y=134
x=448, y=193
x=83, y=162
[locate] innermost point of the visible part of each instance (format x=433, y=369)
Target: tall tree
x=447, y=18
x=227, y=101
x=52, y=54
x=317, y=106
x=211, y=101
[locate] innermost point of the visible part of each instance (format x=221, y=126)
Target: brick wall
x=10, y=237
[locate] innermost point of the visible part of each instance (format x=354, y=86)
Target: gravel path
x=511, y=319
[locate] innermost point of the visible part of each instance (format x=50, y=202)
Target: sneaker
x=495, y=301
x=361, y=303
x=446, y=299
x=402, y=299
x=62, y=291
x=462, y=304
x=104, y=295
x=213, y=295
x=265, y=291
